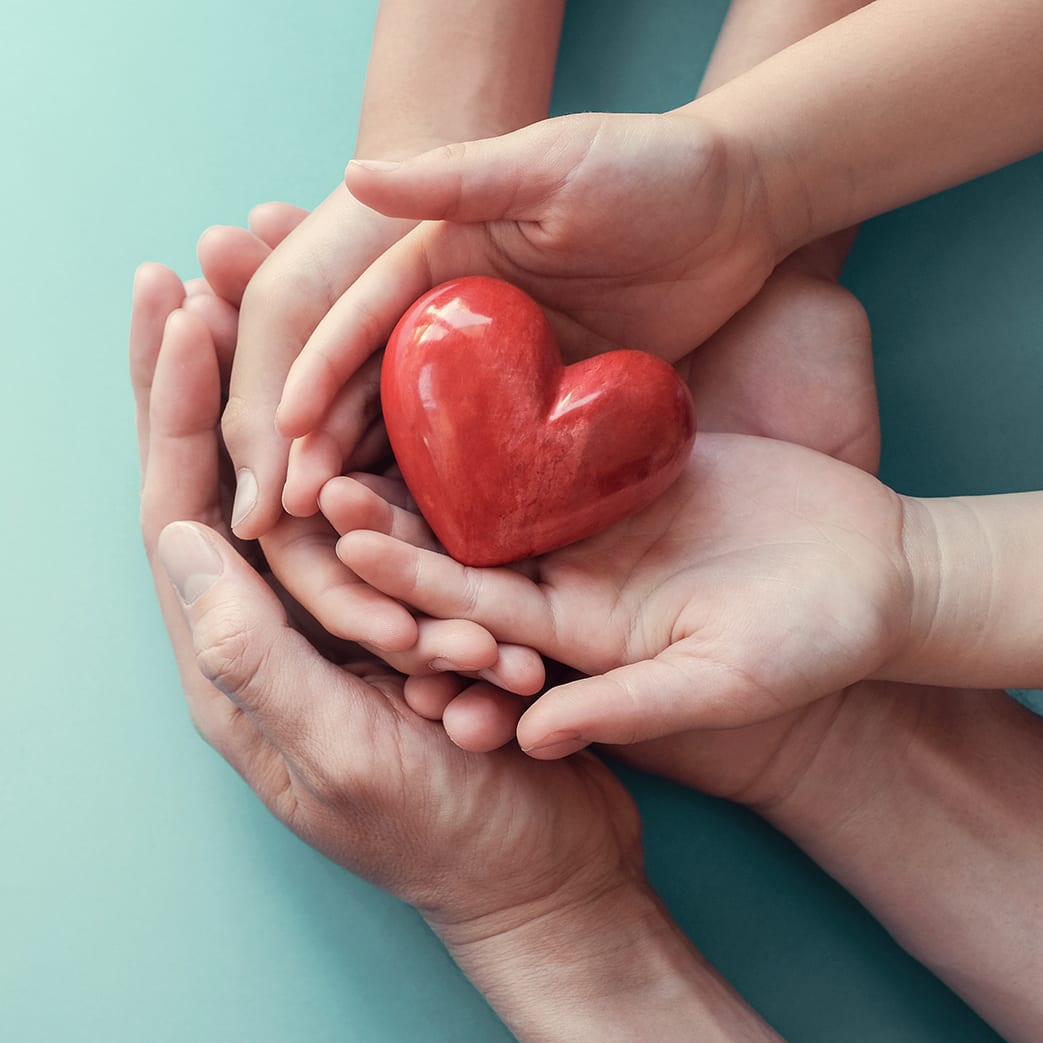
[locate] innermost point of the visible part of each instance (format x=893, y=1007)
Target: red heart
x=509, y=453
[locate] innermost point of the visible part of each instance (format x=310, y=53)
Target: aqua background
x=145, y=895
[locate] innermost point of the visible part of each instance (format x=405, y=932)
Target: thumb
x=243, y=644
x=675, y=692
x=504, y=177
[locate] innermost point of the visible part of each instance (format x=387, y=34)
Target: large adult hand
x=641, y=231
x=332, y=750
x=530, y=873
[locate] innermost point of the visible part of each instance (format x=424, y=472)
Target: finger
x=157, y=292
x=222, y=319
x=482, y=718
x=460, y=647
x=509, y=605
x=355, y=328
x=181, y=482
x=282, y=306
x=244, y=647
x=442, y=645
x=348, y=504
x=197, y=288
x=675, y=692
x=182, y=469
x=273, y=222
x=429, y=695
x=321, y=455
x=503, y=177
x=302, y=554
x=518, y=670
x=229, y=258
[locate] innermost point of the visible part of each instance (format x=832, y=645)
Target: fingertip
x=518, y=669
x=555, y=745
x=370, y=555
x=152, y=279
x=182, y=324
x=429, y=695
x=392, y=630
x=255, y=510
x=481, y=719
x=291, y=419
x=314, y=460
x=547, y=731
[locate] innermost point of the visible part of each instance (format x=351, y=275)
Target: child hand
x=478, y=705
x=767, y=577
x=640, y=231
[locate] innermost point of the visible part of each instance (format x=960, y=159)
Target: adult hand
x=318, y=257
x=531, y=873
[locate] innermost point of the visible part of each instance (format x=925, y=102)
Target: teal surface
x=146, y=896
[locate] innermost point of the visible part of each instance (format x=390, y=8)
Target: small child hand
x=767, y=577
x=634, y=231
x=381, y=505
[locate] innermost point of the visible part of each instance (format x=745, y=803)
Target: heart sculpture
x=507, y=452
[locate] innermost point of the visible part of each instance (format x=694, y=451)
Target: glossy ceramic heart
x=508, y=452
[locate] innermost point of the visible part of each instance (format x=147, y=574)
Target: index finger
x=362, y=320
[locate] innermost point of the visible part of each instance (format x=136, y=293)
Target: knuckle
x=228, y=652
x=454, y=152
x=471, y=592
x=236, y=422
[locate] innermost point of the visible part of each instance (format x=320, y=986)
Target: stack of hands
x=768, y=630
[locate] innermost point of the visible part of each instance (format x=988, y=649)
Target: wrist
x=609, y=964
x=975, y=613
x=777, y=199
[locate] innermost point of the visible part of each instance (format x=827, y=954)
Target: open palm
x=765, y=578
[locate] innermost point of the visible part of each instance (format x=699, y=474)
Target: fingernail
x=245, y=496
x=557, y=744
x=378, y=166
x=191, y=561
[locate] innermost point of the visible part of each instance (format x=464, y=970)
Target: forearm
x=926, y=805
x=754, y=30
x=456, y=70
x=611, y=969
x=882, y=107
x=976, y=612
